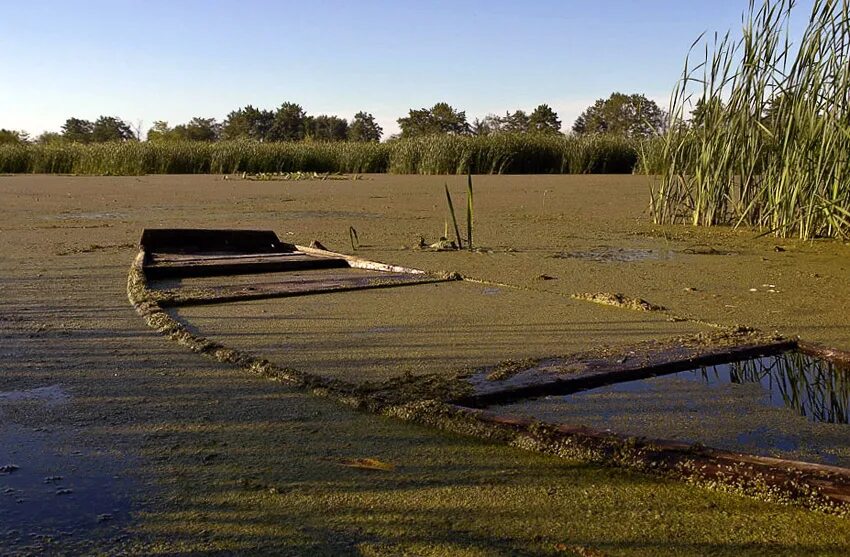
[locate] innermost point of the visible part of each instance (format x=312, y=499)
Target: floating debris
x=296, y=176
x=609, y=254
x=367, y=464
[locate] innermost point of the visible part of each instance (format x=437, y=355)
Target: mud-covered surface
x=445, y=329
x=218, y=460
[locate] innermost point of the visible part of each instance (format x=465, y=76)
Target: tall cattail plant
x=768, y=142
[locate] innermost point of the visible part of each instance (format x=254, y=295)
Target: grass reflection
x=814, y=388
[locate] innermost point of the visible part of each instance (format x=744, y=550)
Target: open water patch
x=89, y=215
x=51, y=394
x=56, y=494
x=789, y=405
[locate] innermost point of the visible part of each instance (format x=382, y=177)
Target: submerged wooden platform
x=191, y=266
x=183, y=265
x=285, y=284
x=269, y=268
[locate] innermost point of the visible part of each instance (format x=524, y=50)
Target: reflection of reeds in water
x=814, y=388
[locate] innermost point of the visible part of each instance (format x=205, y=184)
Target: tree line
x=632, y=116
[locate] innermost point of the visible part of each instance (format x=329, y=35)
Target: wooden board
x=200, y=240
x=281, y=285
x=546, y=379
x=169, y=266
x=795, y=478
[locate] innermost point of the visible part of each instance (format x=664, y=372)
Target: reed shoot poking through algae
x=352, y=236
x=454, y=218
x=469, y=210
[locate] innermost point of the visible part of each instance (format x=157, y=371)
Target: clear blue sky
x=172, y=60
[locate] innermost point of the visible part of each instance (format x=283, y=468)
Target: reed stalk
x=469, y=211
x=769, y=146
x=454, y=218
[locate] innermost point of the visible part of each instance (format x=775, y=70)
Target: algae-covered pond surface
x=215, y=461
x=790, y=405
x=424, y=329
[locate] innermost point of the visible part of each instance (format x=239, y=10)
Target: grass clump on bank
x=439, y=154
x=768, y=142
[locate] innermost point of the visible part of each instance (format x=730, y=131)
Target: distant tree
x=627, y=115
x=198, y=129
x=48, y=138
x=289, y=123
x=703, y=111
x=77, y=130
x=439, y=119
x=136, y=128
x=13, y=137
x=772, y=110
x=490, y=124
x=517, y=122
x=110, y=128
x=544, y=120
x=479, y=126
x=248, y=123
x=160, y=131
x=326, y=128
x=364, y=128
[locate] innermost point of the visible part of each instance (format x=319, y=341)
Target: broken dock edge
x=815, y=486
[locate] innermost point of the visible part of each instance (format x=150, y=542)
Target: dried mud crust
x=421, y=400
x=618, y=300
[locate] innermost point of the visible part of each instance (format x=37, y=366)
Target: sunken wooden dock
x=201, y=266
x=196, y=266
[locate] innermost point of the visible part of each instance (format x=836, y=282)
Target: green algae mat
x=222, y=461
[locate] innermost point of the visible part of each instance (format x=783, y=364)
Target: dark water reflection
x=814, y=388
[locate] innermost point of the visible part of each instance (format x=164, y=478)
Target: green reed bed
x=769, y=146
x=445, y=154
x=514, y=154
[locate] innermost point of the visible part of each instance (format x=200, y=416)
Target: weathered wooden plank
x=301, y=286
x=791, y=477
x=158, y=258
x=358, y=262
x=199, y=240
x=238, y=265
x=536, y=382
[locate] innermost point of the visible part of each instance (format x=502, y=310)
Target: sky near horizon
x=175, y=59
